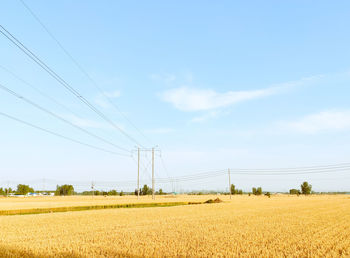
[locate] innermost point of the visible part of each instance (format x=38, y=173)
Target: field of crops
x=280, y=226
x=15, y=203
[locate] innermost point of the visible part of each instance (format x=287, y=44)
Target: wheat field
x=280, y=226
x=78, y=200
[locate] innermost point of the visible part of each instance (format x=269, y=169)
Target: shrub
x=294, y=191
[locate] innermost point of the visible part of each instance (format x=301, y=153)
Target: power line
x=59, y=79
x=80, y=67
x=293, y=168
x=38, y=90
x=295, y=171
x=59, y=117
x=60, y=135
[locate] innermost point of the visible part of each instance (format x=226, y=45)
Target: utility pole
x=229, y=183
x=146, y=150
x=44, y=192
x=153, y=173
x=7, y=189
x=93, y=190
x=138, y=172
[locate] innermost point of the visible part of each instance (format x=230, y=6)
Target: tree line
x=305, y=188
x=63, y=190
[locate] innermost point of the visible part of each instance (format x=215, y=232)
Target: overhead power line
x=61, y=81
x=259, y=172
x=39, y=91
x=60, y=135
x=80, y=67
x=59, y=117
x=291, y=168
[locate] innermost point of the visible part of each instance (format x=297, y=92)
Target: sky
x=215, y=85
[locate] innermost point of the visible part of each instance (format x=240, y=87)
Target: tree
x=233, y=189
x=64, y=190
x=24, y=189
x=294, y=191
x=113, y=192
x=306, y=188
x=259, y=191
x=2, y=191
x=254, y=190
x=9, y=190
x=160, y=192
x=121, y=193
x=146, y=190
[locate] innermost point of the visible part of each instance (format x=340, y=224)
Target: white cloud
x=332, y=120
x=191, y=99
x=101, y=98
x=187, y=99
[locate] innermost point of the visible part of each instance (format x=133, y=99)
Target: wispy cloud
x=187, y=99
x=192, y=99
x=325, y=121
x=101, y=100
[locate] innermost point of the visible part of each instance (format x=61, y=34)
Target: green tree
x=254, y=190
x=259, y=191
x=2, y=191
x=9, y=190
x=113, y=192
x=121, y=193
x=160, y=192
x=64, y=190
x=24, y=189
x=233, y=189
x=306, y=188
x=146, y=190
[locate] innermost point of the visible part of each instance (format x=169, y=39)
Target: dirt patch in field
x=217, y=200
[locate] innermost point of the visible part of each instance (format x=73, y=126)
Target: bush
x=294, y=191
x=217, y=200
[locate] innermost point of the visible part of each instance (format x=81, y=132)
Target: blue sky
x=214, y=84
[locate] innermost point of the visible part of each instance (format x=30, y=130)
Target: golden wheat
x=282, y=226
